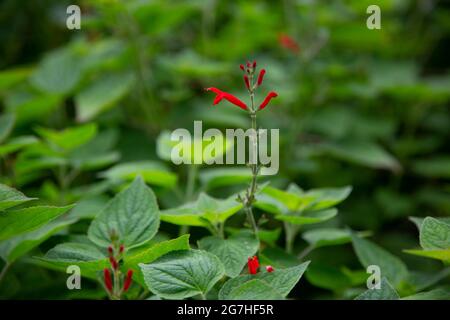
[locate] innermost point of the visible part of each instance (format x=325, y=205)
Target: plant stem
x=305, y=252
x=4, y=271
x=290, y=234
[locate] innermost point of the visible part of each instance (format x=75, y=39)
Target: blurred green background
x=360, y=107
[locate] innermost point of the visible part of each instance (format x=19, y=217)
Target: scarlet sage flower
x=289, y=43
x=253, y=265
x=270, y=95
x=225, y=95
x=107, y=280
x=114, y=263
x=261, y=76
x=247, y=82
x=128, y=280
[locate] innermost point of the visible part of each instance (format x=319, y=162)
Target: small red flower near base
x=270, y=269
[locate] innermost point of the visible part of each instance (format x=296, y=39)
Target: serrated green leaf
x=184, y=274
x=369, y=253
x=232, y=252
x=204, y=208
x=436, y=294
x=281, y=281
x=386, y=292
x=133, y=214
x=15, y=222
x=254, y=290
x=10, y=197
x=434, y=234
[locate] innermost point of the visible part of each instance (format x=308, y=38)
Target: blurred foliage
x=82, y=110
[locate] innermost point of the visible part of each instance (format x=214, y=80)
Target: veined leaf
x=233, y=252
x=308, y=217
x=254, y=290
x=434, y=234
x=386, y=292
x=133, y=214
x=69, y=138
x=10, y=197
x=183, y=274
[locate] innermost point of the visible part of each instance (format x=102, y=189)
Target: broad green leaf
x=220, y=177
x=88, y=208
x=152, y=172
x=436, y=294
x=59, y=72
x=133, y=214
x=69, y=138
x=327, y=277
x=204, y=208
x=422, y=280
x=11, y=77
x=434, y=234
x=183, y=274
x=327, y=197
x=371, y=254
x=13, y=223
x=363, y=153
x=282, y=281
x=443, y=255
x=418, y=221
x=102, y=95
x=277, y=258
x=328, y=237
x=308, y=217
x=14, y=248
x=254, y=290
x=6, y=124
x=437, y=167
x=233, y=252
x=16, y=144
x=386, y=292
x=10, y=197
x=35, y=107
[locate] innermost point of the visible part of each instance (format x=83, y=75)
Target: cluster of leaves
x=356, y=107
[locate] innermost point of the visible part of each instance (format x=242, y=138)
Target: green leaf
x=371, y=254
x=6, y=124
x=254, y=290
x=14, y=248
x=386, y=292
x=16, y=144
x=327, y=277
x=232, y=252
x=10, y=197
x=221, y=177
x=205, y=209
x=437, y=167
x=436, y=294
x=328, y=237
x=69, y=138
x=308, y=217
x=11, y=77
x=443, y=255
x=133, y=214
x=282, y=281
x=152, y=172
x=184, y=274
x=102, y=95
x=13, y=223
x=59, y=72
x=434, y=234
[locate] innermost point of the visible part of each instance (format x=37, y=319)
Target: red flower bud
x=247, y=82
x=253, y=265
x=242, y=67
x=114, y=263
x=107, y=280
x=289, y=43
x=271, y=95
x=128, y=280
x=261, y=76
x=249, y=64
x=121, y=248
x=110, y=251
x=224, y=95
x=254, y=64
x=270, y=269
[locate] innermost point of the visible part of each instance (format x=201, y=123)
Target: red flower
x=224, y=95
x=107, y=279
x=114, y=263
x=110, y=251
x=270, y=95
x=128, y=280
x=261, y=76
x=270, y=269
x=121, y=248
x=289, y=43
x=253, y=265
x=247, y=82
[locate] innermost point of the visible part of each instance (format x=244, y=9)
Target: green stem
x=290, y=235
x=305, y=252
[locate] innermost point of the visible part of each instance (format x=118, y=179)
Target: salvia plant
x=92, y=205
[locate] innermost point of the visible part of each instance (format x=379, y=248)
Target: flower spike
x=270, y=95
x=224, y=95
x=261, y=76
